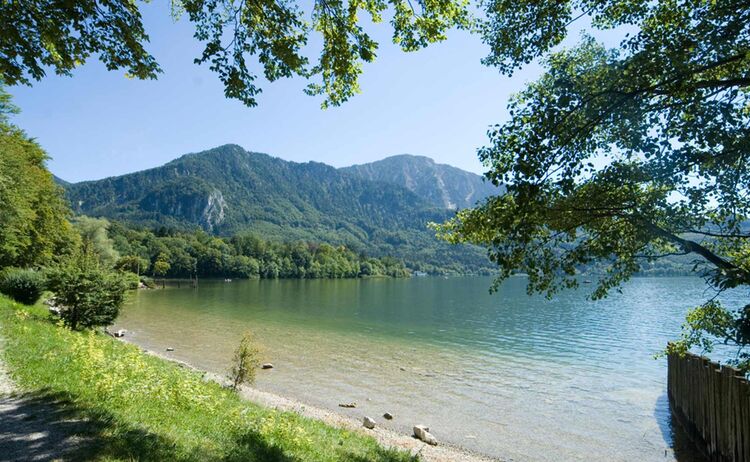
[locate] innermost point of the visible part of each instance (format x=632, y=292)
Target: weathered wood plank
x=713, y=403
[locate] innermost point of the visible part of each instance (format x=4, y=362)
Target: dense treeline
x=33, y=215
x=40, y=249
x=181, y=254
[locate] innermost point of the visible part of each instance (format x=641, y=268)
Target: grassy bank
x=145, y=408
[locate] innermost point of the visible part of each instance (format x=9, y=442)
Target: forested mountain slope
x=227, y=190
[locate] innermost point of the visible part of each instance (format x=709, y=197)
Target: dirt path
x=35, y=428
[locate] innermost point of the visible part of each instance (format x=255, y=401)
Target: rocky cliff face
x=213, y=213
x=442, y=185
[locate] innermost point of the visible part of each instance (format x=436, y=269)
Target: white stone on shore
x=368, y=422
x=422, y=432
x=120, y=333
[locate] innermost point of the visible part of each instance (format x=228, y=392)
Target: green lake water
x=508, y=375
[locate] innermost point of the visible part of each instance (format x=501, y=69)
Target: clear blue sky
x=437, y=102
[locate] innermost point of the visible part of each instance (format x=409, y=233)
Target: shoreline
x=386, y=437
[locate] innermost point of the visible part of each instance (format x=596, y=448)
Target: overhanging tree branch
x=694, y=247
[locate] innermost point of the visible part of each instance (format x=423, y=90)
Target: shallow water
x=511, y=376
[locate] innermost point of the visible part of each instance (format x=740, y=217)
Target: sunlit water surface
x=512, y=376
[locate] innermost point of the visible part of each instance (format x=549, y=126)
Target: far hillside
x=441, y=185
x=369, y=209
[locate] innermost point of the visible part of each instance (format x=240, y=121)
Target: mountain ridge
x=444, y=185
x=363, y=170
x=226, y=190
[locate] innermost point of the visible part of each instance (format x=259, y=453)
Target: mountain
x=227, y=190
x=59, y=181
x=441, y=185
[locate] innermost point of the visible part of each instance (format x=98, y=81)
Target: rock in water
x=350, y=405
x=170, y=349
x=120, y=333
x=267, y=366
x=423, y=433
x=367, y=422
x=388, y=416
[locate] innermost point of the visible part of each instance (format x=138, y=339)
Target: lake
x=508, y=375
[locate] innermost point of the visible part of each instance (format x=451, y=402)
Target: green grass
x=145, y=408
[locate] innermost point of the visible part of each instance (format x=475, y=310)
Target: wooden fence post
x=712, y=402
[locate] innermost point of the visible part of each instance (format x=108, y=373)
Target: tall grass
x=144, y=408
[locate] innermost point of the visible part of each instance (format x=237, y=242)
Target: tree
x=89, y=293
x=621, y=157
x=132, y=263
x=245, y=361
x=94, y=237
x=161, y=267
x=49, y=34
x=33, y=214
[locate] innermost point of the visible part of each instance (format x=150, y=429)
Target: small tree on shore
x=89, y=293
x=245, y=361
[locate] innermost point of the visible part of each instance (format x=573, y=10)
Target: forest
x=181, y=254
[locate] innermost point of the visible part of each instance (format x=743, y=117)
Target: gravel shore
x=386, y=437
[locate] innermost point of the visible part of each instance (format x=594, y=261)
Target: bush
x=131, y=279
x=22, y=285
x=245, y=361
x=89, y=293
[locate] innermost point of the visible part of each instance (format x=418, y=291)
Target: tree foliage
x=133, y=264
x=88, y=293
x=241, y=40
x=245, y=362
x=22, y=285
x=245, y=255
x=711, y=325
x=620, y=156
x=51, y=34
x=95, y=238
x=33, y=214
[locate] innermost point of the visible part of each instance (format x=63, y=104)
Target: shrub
x=131, y=279
x=245, y=361
x=89, y=293
x=23, y=285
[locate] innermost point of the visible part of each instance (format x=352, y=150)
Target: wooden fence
x=712, y=402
